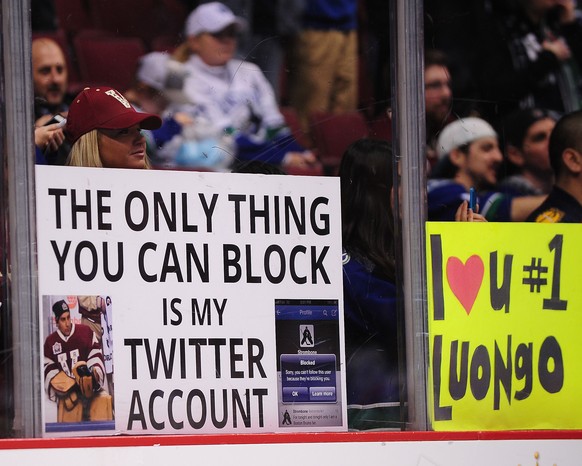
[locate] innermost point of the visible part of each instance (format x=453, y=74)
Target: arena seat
x=73, y=16
x=333, y=132
x=292, y=121
x=110, y=61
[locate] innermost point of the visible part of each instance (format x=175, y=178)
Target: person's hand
x=464, y=214
x=49, y=138
x=300, y=159
x=558, y=47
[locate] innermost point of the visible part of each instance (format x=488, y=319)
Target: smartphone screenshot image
x=308, y=362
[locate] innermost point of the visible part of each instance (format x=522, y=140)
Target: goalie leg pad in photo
x=70, y=400
x=101, y=408
x=69, y=410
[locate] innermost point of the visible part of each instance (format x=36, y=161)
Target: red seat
x=333, y=133
x=381, y=127
x=95, y=33
x=130, y=18
x=292, y=120
x=73, y=15
x=145, y=19
x=165, y=43
x=110, y=61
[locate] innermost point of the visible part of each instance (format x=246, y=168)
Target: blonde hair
x=85, y=152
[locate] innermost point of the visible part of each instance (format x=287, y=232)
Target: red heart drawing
x=465, y=279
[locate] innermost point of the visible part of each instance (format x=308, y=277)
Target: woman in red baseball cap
x=105, y=130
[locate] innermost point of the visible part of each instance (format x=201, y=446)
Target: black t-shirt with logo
x=559, y=207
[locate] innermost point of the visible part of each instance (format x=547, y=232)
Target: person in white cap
x=469, y=157
x=232, y=96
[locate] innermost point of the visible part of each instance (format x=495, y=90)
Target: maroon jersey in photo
x=61, y=353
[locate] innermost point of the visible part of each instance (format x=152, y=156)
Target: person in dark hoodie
x=531, y=57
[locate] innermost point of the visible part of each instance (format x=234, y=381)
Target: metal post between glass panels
x=407, y=55
x=18, y=122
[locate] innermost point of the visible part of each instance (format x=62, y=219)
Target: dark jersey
x=61, y=353
x=373, y=390
x=559, y=207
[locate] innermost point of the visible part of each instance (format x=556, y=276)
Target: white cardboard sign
x=220, y=291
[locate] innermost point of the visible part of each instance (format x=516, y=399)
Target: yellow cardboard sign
x=505, y=325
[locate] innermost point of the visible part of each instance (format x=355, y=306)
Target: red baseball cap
x=104, y=108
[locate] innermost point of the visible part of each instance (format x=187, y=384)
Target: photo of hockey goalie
x=78, y=363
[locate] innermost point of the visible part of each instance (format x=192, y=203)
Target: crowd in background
x=318, y=61
x=472, y=34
